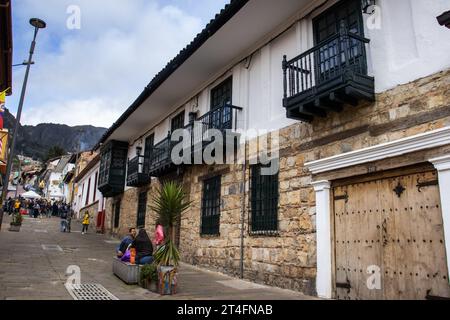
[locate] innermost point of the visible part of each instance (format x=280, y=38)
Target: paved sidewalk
x=32, y=267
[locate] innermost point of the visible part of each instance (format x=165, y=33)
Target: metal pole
x=19, y=114
x=18, y=179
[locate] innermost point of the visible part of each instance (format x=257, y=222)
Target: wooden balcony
x=111, y=180
x=327, y=77
x=136, y=175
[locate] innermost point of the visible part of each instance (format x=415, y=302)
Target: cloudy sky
x=92, y=74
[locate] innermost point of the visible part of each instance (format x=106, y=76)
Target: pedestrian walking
x=69, y=218
x=17, y=206
x=36, y=209
x=63, y=217
x=29, y=207
x=55, y=209
x=86, y=221
x=10, y=206
x=49, y=210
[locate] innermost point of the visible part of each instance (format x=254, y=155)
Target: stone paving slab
x=28, y=272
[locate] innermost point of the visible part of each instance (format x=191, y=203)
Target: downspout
x=244, y=167
x=243, y=207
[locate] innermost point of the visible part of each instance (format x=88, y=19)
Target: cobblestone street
x=33, y=266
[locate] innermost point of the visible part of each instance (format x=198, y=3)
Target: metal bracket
x=346, y=285
x=399, y=189
x=421, y=185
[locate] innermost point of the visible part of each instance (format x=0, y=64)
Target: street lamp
x=37, y=24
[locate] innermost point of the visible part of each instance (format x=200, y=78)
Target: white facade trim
x=442, y=165
x=391, y=149
x=324, y=285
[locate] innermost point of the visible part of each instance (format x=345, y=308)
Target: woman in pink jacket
x=159, y=235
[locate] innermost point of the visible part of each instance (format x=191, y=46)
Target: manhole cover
x=89, y=292
x=51, y=247
x=41, y=231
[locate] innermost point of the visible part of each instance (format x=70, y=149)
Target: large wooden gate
x=389, y=241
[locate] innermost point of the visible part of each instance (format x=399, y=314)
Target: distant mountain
x=35, y=141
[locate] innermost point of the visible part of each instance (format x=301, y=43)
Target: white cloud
x=75, y=112
x=90, y=76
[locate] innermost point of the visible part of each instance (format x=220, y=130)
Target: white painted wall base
x=442, y=165
x=324, y=285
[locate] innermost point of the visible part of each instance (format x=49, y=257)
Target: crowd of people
x=35, y=208
x=39, y=208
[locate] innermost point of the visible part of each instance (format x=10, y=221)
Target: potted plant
x=149, y=277
x=169, y=203
x=16, y=223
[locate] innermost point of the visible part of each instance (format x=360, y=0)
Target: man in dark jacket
x=126, y=242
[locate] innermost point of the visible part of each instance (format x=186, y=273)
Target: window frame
x=177, y=122
x=220, y=87
x=211, y=207
x=141, y=205
x=265, y=189
x=117, y=205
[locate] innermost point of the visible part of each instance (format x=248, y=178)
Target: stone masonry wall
x=289, y=259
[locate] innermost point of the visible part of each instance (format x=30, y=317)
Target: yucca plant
x=167, y=254
x=169, y=203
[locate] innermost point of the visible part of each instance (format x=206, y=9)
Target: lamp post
x=37, y=24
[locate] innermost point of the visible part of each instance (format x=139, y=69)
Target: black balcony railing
x=223, y=119
x=327, y=76
x=136, y=175
x=160, y=156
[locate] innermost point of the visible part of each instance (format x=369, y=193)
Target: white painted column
x=324, y=284
x=442, y=165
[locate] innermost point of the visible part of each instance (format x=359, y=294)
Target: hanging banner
x=3, y=134
x=2, y=107
x=3, y=149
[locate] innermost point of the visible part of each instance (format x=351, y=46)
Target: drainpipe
x=244, y=168
x=243, y=208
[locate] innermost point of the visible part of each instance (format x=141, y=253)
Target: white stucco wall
x=82, y=193
x=409, y=44
x=54, y=187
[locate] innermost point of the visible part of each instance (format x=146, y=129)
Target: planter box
x=150, y=285
x=128, y=273
x=14, y=228
x=167, y=280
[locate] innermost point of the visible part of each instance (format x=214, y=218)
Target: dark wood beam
x=313, y=111
x=295, y=115
x=328, y=104
x=343, y=99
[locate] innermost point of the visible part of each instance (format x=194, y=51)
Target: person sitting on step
x=144, y=248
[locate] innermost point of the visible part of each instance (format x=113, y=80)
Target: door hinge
x=431, y=297
x=344, y=285
x=421, y=185
x=342, y=197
